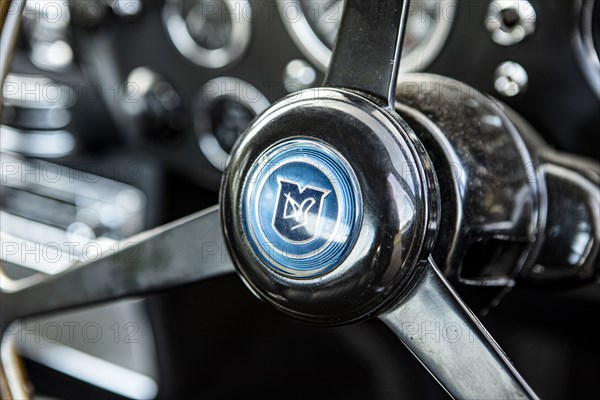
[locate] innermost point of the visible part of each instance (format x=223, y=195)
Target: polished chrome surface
x=93, y=370
x=400, y=206
x=10, y=22
x=37, y=116
x=510, y=21
x=53, y=216
x=125, y=364
x=510, y=79
x=233, y=16
x=127, y=8
x=13, y=383
x=185, y=251
x=12, y=380
x=587, y=52
x=49, y=144
x=46, y=32
x=226, y=90
x=313, y=25
x=37, y=92
x=447, y=338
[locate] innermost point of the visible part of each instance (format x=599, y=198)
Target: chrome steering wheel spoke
x=367, y=51
x=451, y=343
x=185, y=251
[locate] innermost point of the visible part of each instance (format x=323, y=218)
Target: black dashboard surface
x=558, y=101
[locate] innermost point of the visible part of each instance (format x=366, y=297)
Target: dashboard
x=181, y=79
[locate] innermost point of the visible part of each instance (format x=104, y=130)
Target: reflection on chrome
x=404, y=205
x=313, y=25
x=93, y=370
x=290, y=250
x=211, y=34
x=510, y=21
x=223, y=108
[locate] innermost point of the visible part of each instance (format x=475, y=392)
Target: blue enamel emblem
x=302, y=208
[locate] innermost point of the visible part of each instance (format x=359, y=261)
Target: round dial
x=209, y=33
x=313, y=25
x=210, y=30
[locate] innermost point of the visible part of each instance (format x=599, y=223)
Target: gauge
x=313, y=24
x=209, y=33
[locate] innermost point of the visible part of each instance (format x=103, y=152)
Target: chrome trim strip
x=91, y=369
x=10, y=31
x=12, y=368
x=15, y=384
x=49, y=144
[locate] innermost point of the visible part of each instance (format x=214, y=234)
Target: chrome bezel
x=504, y=35
x=207, y=141
x=237, y=44
x=583, y=43
x=319, y=53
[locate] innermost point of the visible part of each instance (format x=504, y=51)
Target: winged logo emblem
x=298, y=210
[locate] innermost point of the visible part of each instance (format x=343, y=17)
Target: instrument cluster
x=197, y=72
x=503, y=47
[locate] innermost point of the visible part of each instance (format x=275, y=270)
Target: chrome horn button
x=302, y=207
x=327, y=205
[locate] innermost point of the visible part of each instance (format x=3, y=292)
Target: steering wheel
x=342, y=203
